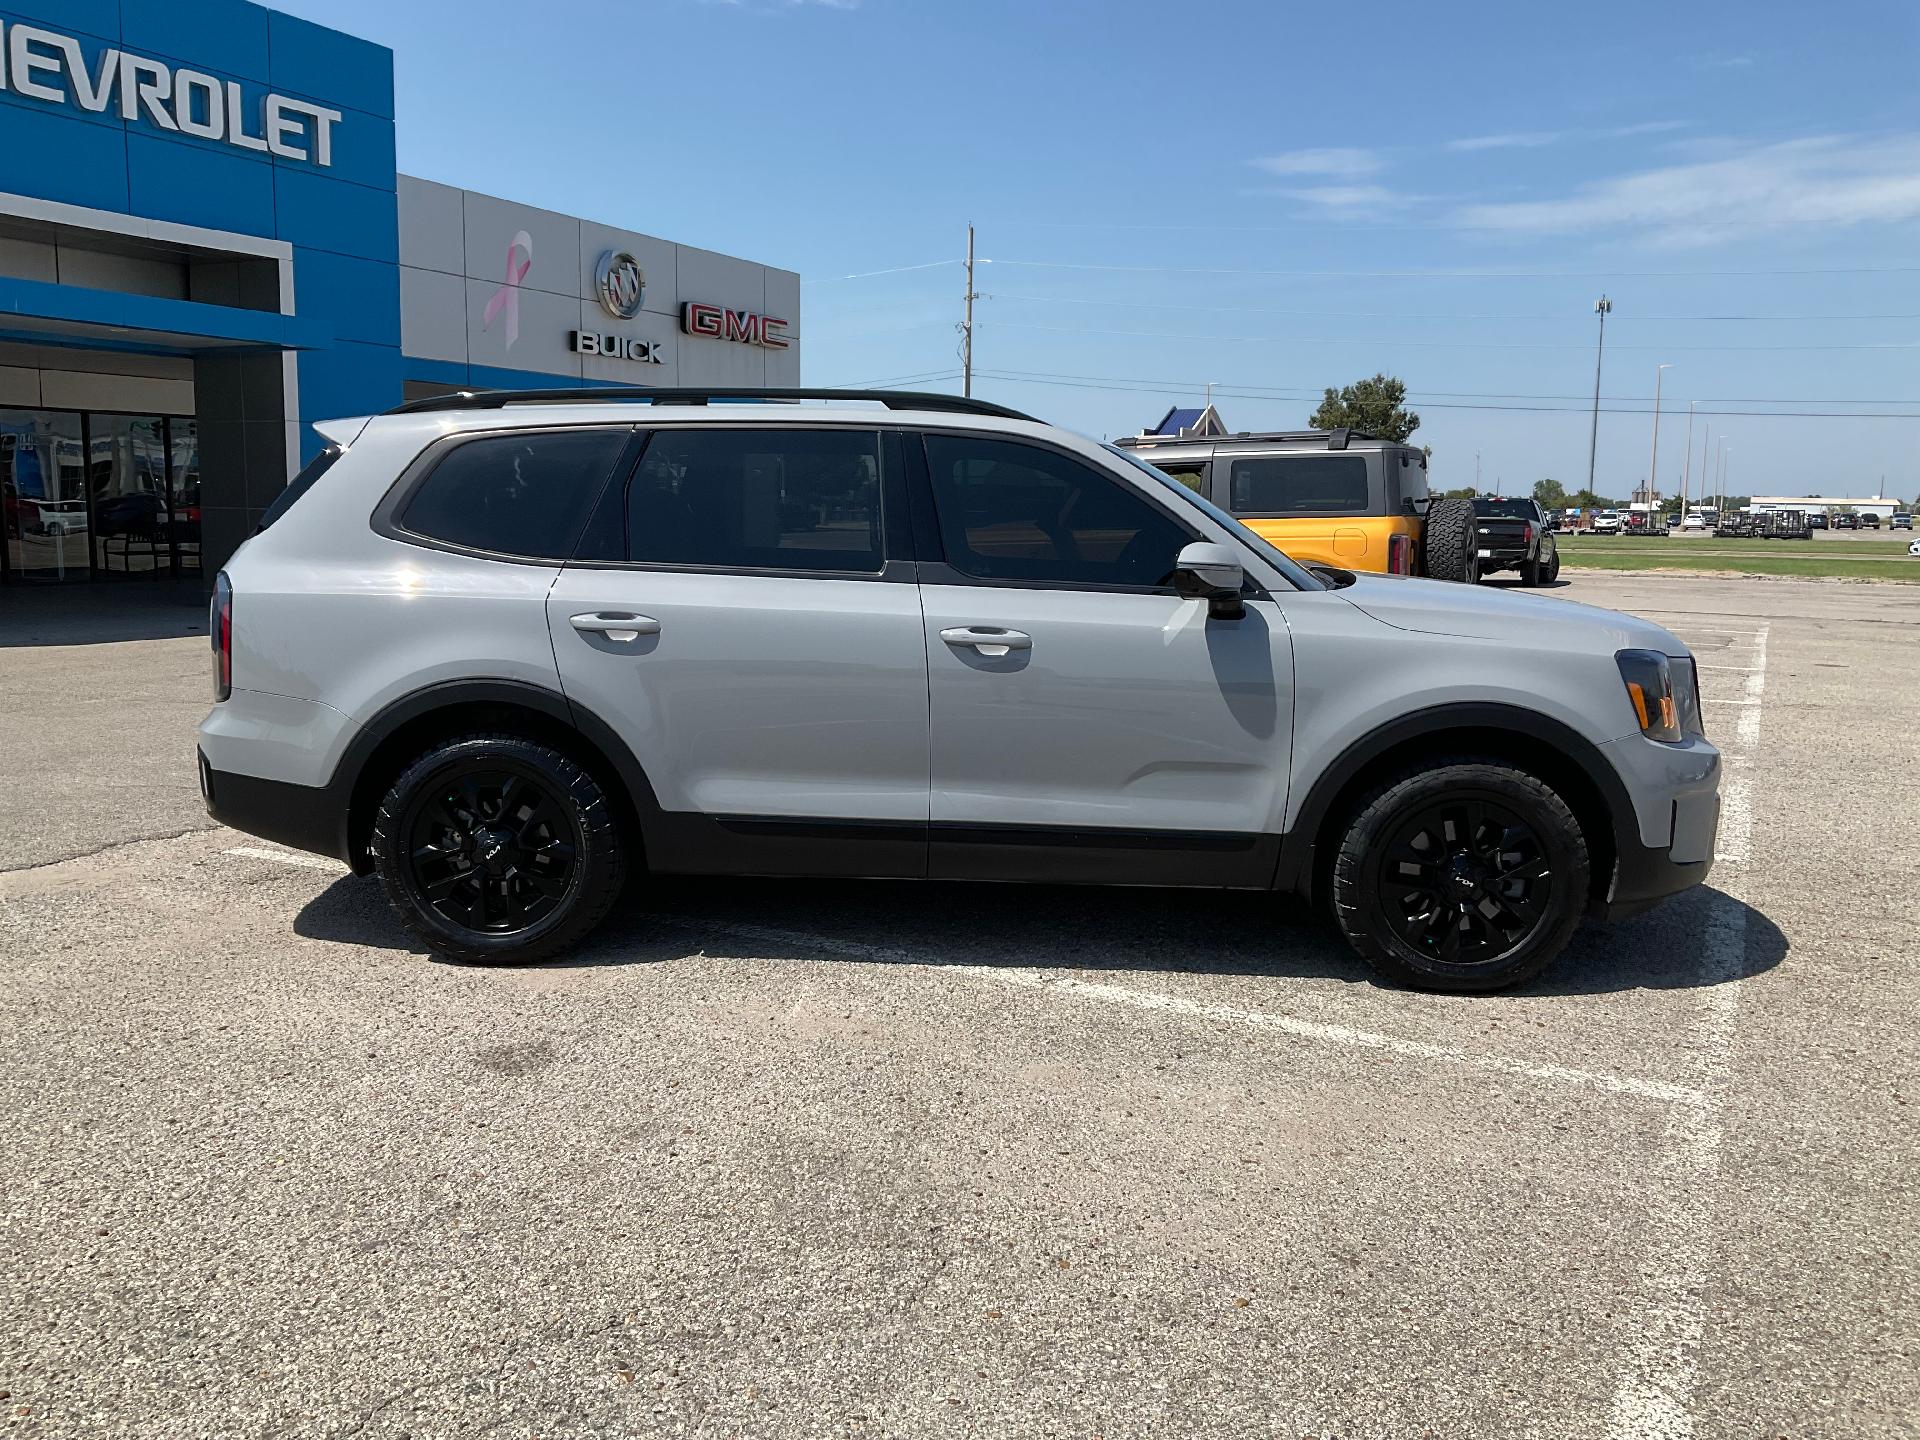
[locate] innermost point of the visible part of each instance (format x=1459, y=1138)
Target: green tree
x=1465, y=493
x=1375, y=406
x=1550, y=494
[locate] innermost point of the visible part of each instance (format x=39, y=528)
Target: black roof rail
x=1333, y=439
x=699, y=395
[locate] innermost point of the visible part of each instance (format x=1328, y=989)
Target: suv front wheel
x=1470, y=875
x=495, y=848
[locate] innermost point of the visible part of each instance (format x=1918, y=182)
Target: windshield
x=1299, y=577
x=1518, y=509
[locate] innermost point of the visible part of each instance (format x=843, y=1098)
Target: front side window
x=522, y=493
x=1009, y=511
x=1300, y=485
x=758, y=500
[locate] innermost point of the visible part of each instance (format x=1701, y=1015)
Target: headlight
x=1665, y=694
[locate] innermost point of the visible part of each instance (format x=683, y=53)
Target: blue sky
x=1252, y=194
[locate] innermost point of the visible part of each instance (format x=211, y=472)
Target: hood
x=1439, y=607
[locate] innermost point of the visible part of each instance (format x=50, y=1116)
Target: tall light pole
x=1601, y=308
x=1653, y=465
x=1706, y=471
x=1686, y=467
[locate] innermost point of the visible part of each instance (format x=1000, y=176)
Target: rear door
x=1087, y=723
x=739, y=614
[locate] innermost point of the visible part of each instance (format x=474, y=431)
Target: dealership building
x=205, y=247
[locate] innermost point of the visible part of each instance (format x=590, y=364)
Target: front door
x=1087, y=723
x=757, y=653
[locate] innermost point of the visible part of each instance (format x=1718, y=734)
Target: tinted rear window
x=1302, y=484
x=522, y=494
x=1517, y=509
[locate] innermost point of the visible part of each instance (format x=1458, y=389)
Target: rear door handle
x=619, y=626
x=989, y=640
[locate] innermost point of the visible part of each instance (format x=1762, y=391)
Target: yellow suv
x=1326, y=497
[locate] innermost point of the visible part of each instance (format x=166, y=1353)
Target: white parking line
x=289, y=857
x=1338, y=1035
x=1654, y=1398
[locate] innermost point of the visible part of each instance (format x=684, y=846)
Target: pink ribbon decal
x=507, y=298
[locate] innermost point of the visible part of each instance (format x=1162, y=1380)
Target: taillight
x=1399, y=555
x=1526, y=533
x=220, y=628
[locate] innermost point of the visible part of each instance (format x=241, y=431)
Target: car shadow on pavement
x=1701, y=938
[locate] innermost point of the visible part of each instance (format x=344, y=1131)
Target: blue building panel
x=217, y=37
x=197, y=184
x=310, y=59
x=358, y=299
x=75, y=164
x=68, y=17
x=314, y=210
x=348, y=379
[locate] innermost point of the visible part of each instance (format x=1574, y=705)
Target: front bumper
x=1667, y=845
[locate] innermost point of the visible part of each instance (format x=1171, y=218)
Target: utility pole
x=1601, y=307
x=1476, y=472
x=966, y=326
x=1653, y=465
x=1706, y=472
x=1686, y=467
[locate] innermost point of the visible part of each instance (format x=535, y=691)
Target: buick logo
x=620, y=283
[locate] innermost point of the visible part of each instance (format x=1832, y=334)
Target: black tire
x=1452, y=542
x=501, y=830
x=1553, y=566
x=1505, y=848
x=1530, y=574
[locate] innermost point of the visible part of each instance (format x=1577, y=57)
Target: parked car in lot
x=1816, y=520
x=1327, y=497
x=504, y=649
x=1512, y=534
x=1869, y=520
x=1606, y=522
x=1902, y=520
x=1844, y=521
x=1694, y=520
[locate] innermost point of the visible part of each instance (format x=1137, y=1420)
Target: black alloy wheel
x=491, y=850
x=1465, y=881
x=498, y=848
x=1466, y=873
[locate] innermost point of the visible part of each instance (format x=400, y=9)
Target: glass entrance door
x=43, y=495
x=133, y=520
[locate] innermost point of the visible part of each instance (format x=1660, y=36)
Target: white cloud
x=1726, y=62
x=1824, y=181
x=1521, y=140
x=1345, y=163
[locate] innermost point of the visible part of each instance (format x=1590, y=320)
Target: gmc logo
x=743, y=326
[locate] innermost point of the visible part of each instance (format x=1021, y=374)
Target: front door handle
x=988, y=640
x=619, y=626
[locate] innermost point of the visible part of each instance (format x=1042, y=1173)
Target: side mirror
x=1213, y=573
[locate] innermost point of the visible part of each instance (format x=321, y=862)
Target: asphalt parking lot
x=842, y=1159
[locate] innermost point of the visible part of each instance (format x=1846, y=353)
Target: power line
x=1315, y=391
x=1130, y=304
x=1456, y=274
x=870, y=274
x=1424, y=344
x=1151, y=388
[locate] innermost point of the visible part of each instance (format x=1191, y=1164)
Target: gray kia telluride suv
x=505, y=649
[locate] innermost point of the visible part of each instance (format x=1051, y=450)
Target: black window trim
x=385, y=520
x=936, y=569
x=896, y=547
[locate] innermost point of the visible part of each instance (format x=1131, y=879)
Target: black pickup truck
x=1514, y=535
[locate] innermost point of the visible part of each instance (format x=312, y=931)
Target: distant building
x=1867, y=505
x=1197, y=423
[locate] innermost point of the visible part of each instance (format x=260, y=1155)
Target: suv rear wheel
x=494, y=848
x=1470, y=875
